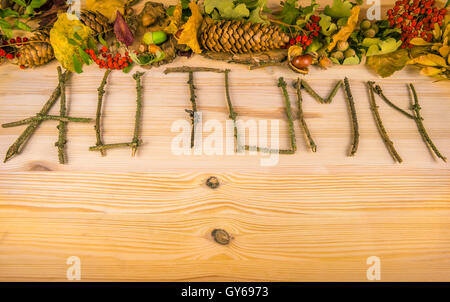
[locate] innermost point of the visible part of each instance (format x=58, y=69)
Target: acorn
x=350, y=53
x=370, y=33
x=338, y=55
x=365, y=24
x=156, y=37
x=342, y=45
x=302, y=61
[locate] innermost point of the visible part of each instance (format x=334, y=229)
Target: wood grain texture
x=312, y=217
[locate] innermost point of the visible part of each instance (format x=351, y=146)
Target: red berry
x=25, y=39
x=2, y=53
x=298, y=38
x=10, y=56
x=22, y=67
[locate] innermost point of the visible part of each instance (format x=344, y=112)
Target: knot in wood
x=221, y=236
x=213, y=182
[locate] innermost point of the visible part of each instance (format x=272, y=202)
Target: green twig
x=136, y=141
x=301, y=117
x=39, y=117
x=377, y=89
x=193, y=112
x=232, y=113
x=18, y=145
x=373, y=106
x=98, y=116
x=282, y=84
x=418, y=118
x=62, y=127
x=353, y=117
x=317, y=97
x=188, y=69
x=113, y=146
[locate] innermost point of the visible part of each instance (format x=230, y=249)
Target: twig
x=61, y=143
x=39, y=117
x=136, y=141
x=301, y=117
x=18, y=145
x=353, y=117
x=418, y=118
x=193, y=112
x=188, y=69
x=232, y=113
x=377, y=89
x=373, y=106
x=112, y=146
x=282, y=84
x=317, y=97
x=97, y=127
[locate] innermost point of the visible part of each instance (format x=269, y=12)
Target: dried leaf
x=429, y=60
x=175, y=20
x=107, y=8
x=190, y=29
x=62, y=37
x=122, y=31
x=431, y=71
x=386, y=65
x=345, y=32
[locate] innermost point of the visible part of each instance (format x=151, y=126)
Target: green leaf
x=29, y=11
x=37, y=3
x=327, y=27
x=86, y=59
x=92, y=44
x=77, y=36
x=255, y=17
x=227, y=9
x=383, y=47
x=7, y=12
x=339, y=9
x=315, y=46
x=72, y=42
x=386, y=65
x=102, y=41
x=6, y=28
x=20, y=2
x=341, y=22
x=78, y=66
x=351, y=61
x=127, y=69
x=290, y=12
x=22, y=26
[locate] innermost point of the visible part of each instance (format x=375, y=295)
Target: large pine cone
x=240, y=36
x=35, y=54
x=96, y=21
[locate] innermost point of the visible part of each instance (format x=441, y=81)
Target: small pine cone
x=240, y=37
x=35, y=54
x=96, y=21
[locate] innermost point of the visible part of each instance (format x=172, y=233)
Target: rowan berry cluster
x=106, y=59
x=416, y=19
x=312, y=31
x=7, y=48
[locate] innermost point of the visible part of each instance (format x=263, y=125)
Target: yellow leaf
x=190, y=29
x=108, y=8
x=444, y=51
x=437, y=32
x=429, y=60
x=431, y=71
x=175, y=20
x=419, y=42
x=347, y=29
x=63, y=30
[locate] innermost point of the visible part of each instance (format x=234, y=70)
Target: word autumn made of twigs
x=300, y=84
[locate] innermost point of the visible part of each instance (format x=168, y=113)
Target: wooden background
x=312, y=217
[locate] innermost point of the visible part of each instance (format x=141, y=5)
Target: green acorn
x=156, y=37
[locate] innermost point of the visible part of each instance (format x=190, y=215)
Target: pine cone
x=96, y=21
x=35, y=54
x=240, y=37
